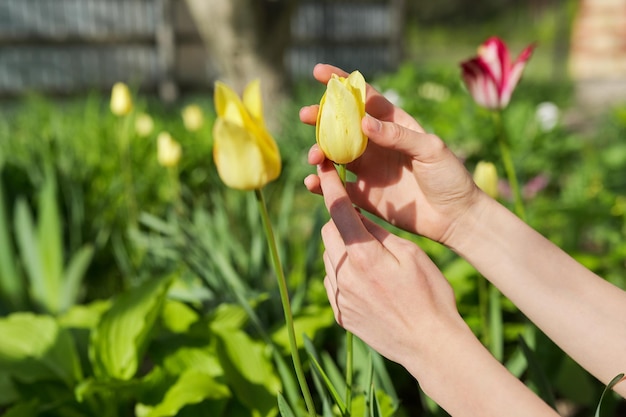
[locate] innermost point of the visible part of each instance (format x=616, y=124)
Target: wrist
x=463, y=231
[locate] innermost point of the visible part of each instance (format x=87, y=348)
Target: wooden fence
x=64, y=46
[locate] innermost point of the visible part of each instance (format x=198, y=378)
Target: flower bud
x=121, y=99
x=144, y=124
x=245, y=154
x=193, y=119
x=342, y=107
x=168, y=150
x=486, y=178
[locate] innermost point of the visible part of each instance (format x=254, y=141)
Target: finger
x=315, y=155
x=341, y=210
x=421, y=146
x=332, y=294
x=324, y=72
x=308, y=114
x=312, y=183
x=391, y=242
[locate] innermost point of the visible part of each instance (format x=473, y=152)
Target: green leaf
x=537, y=374
x=118, y=342
x=192, y=387
x=330, y=386
x=29, y=250
x=23, y=409
x=73, y=277
x=283, y=407
x=308, y=322
x=35, y=347
x=619, y=378
x=248, y=370
x=50, y=242
x=177, y=317
x=11, y=286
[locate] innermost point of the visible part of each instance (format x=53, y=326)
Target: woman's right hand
x=406, y=176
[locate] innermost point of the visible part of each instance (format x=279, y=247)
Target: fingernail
x=373, y=124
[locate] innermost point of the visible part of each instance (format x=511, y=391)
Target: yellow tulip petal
x=240, y=162
x=253, y=102
x=339, y=126
x=228, y=105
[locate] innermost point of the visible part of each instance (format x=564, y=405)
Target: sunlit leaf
x=192, y=387
x=118, y=342
x=249, y=371
x=34, y=348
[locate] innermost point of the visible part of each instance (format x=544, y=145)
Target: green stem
x=284, y=297
x=507, y=161
x=349, y=335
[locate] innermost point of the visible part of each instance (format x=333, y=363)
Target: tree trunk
x=247, y=39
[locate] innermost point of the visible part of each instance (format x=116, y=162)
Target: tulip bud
x=491, y=77
x=121, y=99
x=168, y=150
x=143, y=124
x=342, y=107
x=245, y=154
x=486, y=178
x=193, y=119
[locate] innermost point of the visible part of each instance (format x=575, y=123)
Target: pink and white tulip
x=491, y=77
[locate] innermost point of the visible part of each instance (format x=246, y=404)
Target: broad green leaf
x=118, y=342
x=248, y=370
x=84, y=316
x=192, y=387
x=177, y=317
x=229, y=316
x=35, y=347
x=308, y=322
x=198, y=358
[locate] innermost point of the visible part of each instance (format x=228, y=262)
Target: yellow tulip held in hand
x=338, y=131
x=245, y=154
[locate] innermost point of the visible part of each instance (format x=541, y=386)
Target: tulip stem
x=507, y=161
x=284, y=297
x=349, y=335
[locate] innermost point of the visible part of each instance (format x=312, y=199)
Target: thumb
x=424, y=147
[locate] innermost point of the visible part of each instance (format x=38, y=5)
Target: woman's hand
x=407, y=177
x=383, y=288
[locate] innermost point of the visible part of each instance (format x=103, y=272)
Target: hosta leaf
x=192, y=387
x=248, y=370
x=117, y=343
x=35, y=347
x=308, y=322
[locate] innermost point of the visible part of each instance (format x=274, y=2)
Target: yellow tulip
x=245, y=154
x=168, y=150
x=486, y=178
x=338, y=131
x=121, y=99
x=144, y=124
x=193, y=119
